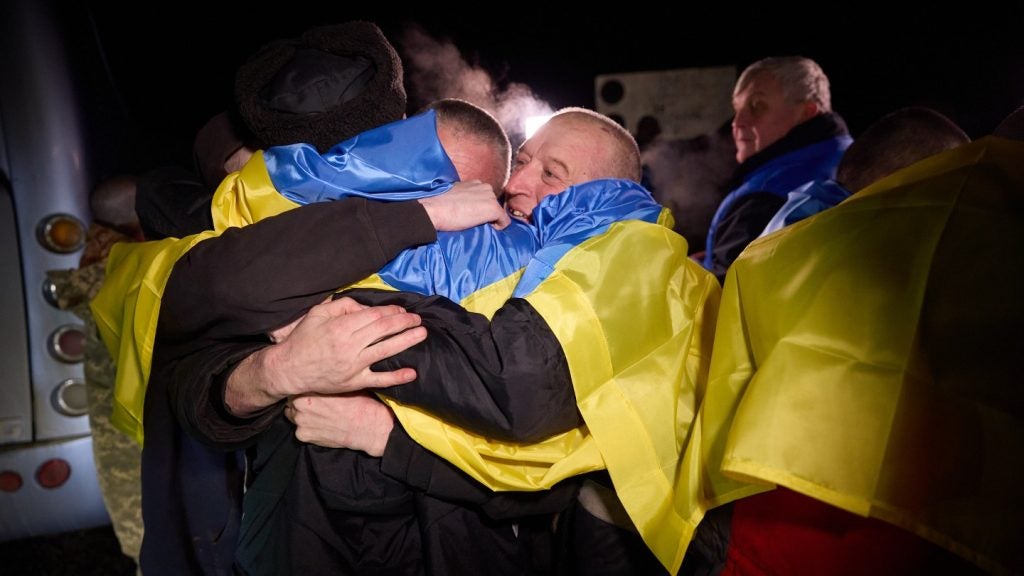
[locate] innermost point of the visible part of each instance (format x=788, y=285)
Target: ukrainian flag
x=635, y=317
x=397, y=161
x=868, y=357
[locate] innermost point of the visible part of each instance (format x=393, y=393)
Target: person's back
x=786, y=134
x=844, y=340
x=892, y=142
x=418, y=157
x=328, y=84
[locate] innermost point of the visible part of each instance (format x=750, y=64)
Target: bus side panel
x=48, y=170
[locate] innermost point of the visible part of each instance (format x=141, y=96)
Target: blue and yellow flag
x=397, y=161
x=635, y=317
x=868, y=357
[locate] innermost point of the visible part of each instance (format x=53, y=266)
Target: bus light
x=67, y=343
x=53, y=473
x=10, y=481
x=61, y=233
x=70, y=398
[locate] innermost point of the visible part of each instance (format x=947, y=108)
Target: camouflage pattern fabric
x=117, y=457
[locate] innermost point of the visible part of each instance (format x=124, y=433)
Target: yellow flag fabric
x=868, y=358
x=635, y=317
x=247, y=196
x=128, y=305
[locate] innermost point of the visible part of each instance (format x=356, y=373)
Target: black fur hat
x=324, y=87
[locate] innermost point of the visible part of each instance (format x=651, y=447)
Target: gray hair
x=468, y=120
x=802, y=79
x=625, y=156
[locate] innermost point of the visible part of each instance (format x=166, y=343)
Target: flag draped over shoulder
x=403, y=160
x=635, y=318
x=128, y=305
x=869, y=357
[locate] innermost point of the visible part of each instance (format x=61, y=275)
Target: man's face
x=763, y=115
x=562, y=153
x=473, y=159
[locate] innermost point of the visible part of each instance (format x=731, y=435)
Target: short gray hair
x=625, y=157
x=802, y=79
x=468, y=120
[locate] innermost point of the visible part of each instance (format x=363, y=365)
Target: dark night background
x=173, y=66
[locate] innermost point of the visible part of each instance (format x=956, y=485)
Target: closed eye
x=520, y=161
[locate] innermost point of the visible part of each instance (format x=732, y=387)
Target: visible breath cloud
x=688, y=176
x=435, y=68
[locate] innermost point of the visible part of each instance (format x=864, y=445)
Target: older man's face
x=562, y=153
x=763, y=115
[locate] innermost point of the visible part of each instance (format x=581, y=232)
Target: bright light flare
x=533, y=123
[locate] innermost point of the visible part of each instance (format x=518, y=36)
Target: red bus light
x=10, y=481
x=53, y=473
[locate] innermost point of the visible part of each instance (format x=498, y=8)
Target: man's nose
x=516, y=181
x=739, y=120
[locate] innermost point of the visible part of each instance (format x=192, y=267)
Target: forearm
x=253, y=279
x=196, y=387
x=250, y=387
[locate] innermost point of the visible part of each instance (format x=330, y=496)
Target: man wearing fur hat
x=323, y=87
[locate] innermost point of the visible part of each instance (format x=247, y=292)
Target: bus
x=48, y=481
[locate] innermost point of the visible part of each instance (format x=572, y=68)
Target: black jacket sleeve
x=741, y=226
x=506, y=378
x=227, y=292
x=417, y=467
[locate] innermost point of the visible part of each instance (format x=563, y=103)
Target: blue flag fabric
x=403, y=160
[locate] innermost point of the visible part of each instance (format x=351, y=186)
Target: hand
x=279, y=335
x=358, y=421
x=333, y=346
x=466, y=205
x=330, y=351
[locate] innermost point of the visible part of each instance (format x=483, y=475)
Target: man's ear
x=810, y=110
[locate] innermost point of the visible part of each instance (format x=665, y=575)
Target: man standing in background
x=786, y=134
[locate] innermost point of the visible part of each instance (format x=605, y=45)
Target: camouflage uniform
x=117, y=456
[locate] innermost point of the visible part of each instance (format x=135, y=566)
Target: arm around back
x=227, y=292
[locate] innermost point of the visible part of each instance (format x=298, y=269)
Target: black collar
x=821, y=127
